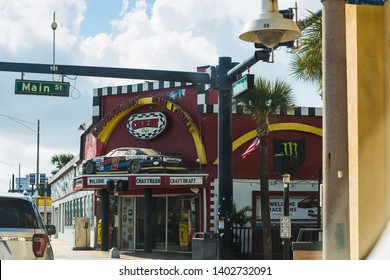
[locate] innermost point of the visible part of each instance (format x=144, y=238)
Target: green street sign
x=243, y=84
x=41, y=88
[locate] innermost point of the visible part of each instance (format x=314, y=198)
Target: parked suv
x=23, y=236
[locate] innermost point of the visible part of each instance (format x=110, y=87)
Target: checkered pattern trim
x=98, y=93
x=205, y=100
x=205, y=107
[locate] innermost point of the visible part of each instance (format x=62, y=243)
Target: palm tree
x=267, y=99
x=60, y=161
x=307, y=63
x=239, y=216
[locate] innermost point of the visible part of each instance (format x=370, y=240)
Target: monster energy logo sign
x=294, y=148
x=290, y=149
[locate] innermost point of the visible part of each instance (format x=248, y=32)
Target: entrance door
x=174, y=219
x=127, y=219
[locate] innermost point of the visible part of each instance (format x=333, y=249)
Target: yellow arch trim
x=106, y=132
x=275, y=127
x=296, y=126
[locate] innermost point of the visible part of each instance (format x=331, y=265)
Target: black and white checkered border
x=204, y=107
x=203, y=104
x=128, y=89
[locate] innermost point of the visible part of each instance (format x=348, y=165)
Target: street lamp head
x=270, y=28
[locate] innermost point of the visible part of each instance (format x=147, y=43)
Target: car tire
x=89, y=167
x=134, y=166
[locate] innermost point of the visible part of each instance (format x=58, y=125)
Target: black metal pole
x=286, y=213
x=108, y=72
x=226, y=75
x=105, y=217
x=148, y=222
x=115, y=228
x=225, y=167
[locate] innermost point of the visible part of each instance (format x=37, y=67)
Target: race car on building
x=135, y=160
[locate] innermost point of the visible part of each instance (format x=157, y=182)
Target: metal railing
x=248, y=242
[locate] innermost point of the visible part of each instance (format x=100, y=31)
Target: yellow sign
x=99, y=233
x=183, y=233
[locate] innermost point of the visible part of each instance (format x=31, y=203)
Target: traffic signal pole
x=226, y=75
x=107, y=72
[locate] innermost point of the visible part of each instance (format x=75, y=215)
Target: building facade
x=179, y=119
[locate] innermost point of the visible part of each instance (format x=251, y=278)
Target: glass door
x=175, y=218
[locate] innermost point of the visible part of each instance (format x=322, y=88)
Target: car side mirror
x=51, y=229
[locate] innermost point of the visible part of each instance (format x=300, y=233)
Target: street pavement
x=64, y=250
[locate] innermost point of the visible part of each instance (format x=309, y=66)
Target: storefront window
x=175, y=219
x=82, y=207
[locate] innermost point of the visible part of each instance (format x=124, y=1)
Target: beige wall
x=368, y=124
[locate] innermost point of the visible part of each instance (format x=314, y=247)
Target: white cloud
x=26, y=24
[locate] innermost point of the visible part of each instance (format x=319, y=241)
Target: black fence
x=248, y=242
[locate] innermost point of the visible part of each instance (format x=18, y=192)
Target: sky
x=177, y=35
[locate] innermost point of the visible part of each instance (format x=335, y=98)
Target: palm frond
x=266, y=99
x=306, y=66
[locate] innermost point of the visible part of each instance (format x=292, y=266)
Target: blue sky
x=160, y=34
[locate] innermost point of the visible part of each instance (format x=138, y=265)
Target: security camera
x=270, y=28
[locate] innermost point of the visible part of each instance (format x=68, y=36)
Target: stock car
x=134, y=160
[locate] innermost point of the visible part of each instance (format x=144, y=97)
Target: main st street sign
x=41, y=88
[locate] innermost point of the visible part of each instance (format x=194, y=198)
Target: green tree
x=240, y=217
x=266, y=100
x=60, y=161
x=306, y=65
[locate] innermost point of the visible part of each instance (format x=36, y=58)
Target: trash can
x=204, y=246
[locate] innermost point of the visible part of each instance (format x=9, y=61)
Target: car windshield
x=118, y=153
x=17, y=213
x=148, y=152
x=131, y=152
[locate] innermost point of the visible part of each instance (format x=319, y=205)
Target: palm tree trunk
x=265, y=211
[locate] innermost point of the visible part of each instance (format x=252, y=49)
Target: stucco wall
x=367, y=125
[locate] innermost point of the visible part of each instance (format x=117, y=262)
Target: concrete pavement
x=63, y=250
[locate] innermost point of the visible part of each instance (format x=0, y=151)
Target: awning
x=142, y=181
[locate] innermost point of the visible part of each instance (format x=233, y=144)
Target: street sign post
x=41, y=88
x=243, y=84
x=32, y=179
x=42, y=178
x=285, y=227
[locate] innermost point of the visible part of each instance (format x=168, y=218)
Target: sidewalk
x=63, y=250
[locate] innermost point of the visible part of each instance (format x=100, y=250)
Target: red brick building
x=181, y=119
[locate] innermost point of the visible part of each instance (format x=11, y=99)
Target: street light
x=270, y=30
x=285, y=224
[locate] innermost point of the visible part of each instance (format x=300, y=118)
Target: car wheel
x=134, y=166
x=89, y=167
